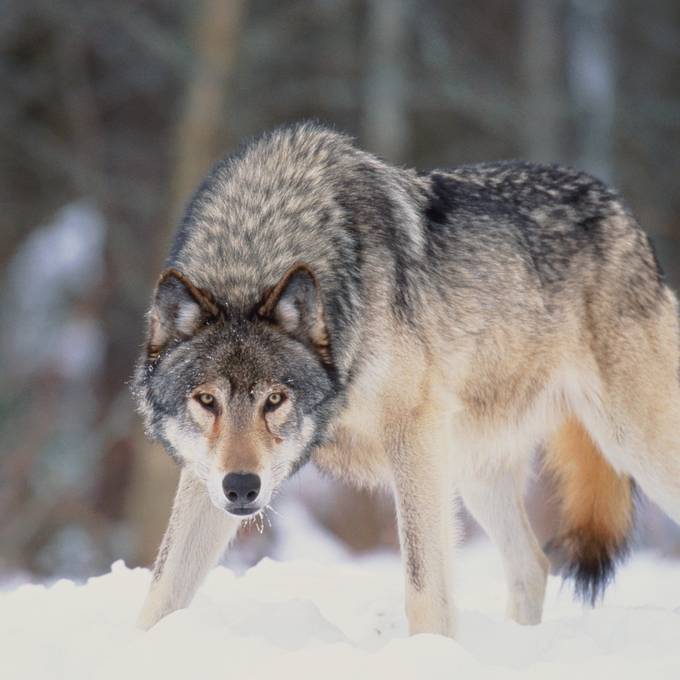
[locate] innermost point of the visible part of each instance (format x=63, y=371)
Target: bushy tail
x=597, y=510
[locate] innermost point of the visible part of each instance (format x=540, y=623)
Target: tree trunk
x=201, y=136
x=591, y=84
x=540, y=68
x=202, y=131
x=385, y=120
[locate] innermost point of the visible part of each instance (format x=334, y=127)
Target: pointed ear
x=295, y=305
x=179, y=309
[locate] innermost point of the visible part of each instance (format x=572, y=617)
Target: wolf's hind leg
x=496, y=502
x=195, y=538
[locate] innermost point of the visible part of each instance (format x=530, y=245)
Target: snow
x=339, y=619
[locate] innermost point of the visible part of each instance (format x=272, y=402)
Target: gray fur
x=428, y=331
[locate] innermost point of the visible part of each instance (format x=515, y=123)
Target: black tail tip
x=591, y=567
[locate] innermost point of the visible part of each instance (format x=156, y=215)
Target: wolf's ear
x=295, y=305
x=179, y=309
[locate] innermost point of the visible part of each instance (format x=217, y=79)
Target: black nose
x=241, y=487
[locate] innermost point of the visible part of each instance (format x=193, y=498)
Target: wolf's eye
x=274, y=400
x=206, y=400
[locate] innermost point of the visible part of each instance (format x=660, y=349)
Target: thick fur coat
x=428, y=332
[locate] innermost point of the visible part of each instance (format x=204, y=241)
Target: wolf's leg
x=196, y=536
x=496, y=502
x=427, y=530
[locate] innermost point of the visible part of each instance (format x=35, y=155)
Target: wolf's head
x=240, y=399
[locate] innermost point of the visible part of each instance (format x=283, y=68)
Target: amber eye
x=274, y=400
x=207, y=400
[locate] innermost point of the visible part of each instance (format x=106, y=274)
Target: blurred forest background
x=112, y=111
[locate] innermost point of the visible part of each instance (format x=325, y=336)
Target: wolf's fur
x=427, y=332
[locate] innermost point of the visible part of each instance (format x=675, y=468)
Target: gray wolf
x=428, y=332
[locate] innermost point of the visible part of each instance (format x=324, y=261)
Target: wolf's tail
x=597, y=512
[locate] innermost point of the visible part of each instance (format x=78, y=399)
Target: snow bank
x=304, y=619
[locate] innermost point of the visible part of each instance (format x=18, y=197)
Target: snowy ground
x=335, y=619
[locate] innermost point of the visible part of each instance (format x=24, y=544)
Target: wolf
x=429, y=332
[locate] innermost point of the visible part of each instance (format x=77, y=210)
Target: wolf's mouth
x=243, y=511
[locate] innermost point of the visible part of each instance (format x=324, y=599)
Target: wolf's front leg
x=196, y=536
x=427, y=531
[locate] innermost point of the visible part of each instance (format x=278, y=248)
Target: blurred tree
x=591, y=78
x=385, y=124
x=201, y=133
x=544, y=110
x=203, y=129
x=126, y=105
